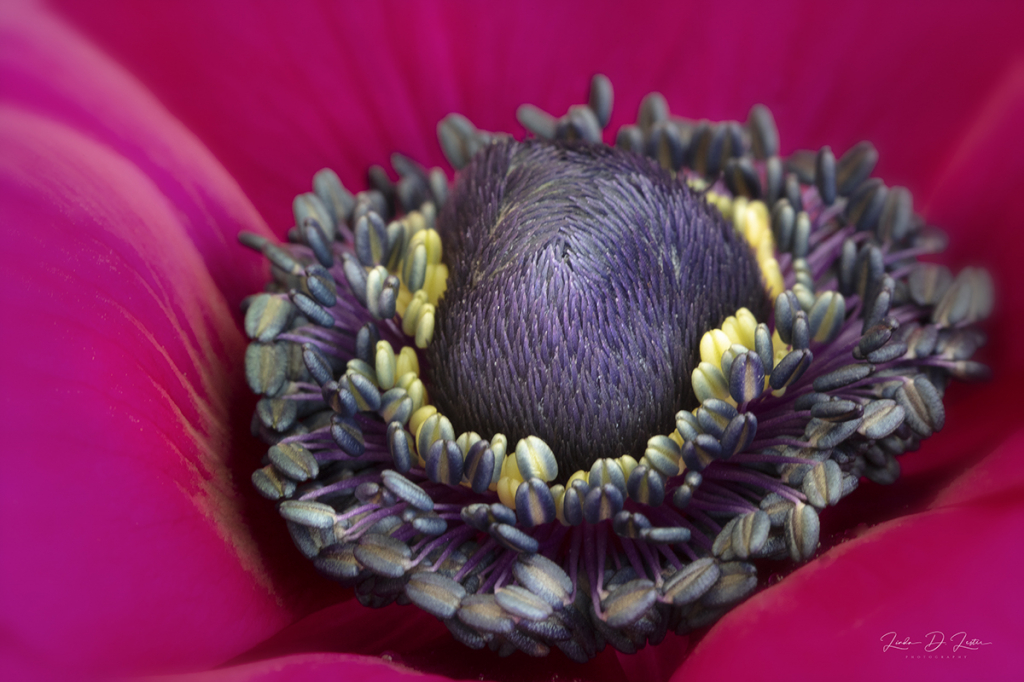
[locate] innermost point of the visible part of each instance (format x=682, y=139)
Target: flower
x=124, y=288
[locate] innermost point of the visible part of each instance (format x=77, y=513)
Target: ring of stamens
x=847, y=373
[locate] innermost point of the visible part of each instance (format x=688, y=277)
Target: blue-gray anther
x=347, y=434
x=304, y=513
x=764, y=136
x=267, y=316
x=271, y=484
x=363, y=390
x=739, y=434
x=630, y=138
x=746, y=377
x=321, y=285
x=825, y=175
x=653, y=108
x=776, y=507
x=310, y=206
x=499, y=513
x=646, y=486
x=601, y=98
x=534, y=503
x=792, y=192
x=311, y=309
x=318, y=366
x=435, y=594
x=366, y=342
x=665, y=146
x=801, y=334
x=774, y=180
x=404, y=489
x=544, y=578
x=855, y=166
x=896, y=215
x=869, y=271
x=294, y=461
x=837, y=410
x=866, y=204
x=881, y=417
x=823, y=484
x=537, y=121
x=887, y=353
x=741, y=178
x=801, y=529
x=430, y=524
x=277, y=414
x=572, y=503
x=444, y=462
x=479, y=466
x=786, y=307
x=602, y=503
x=750, y=534
x=662, y=455
x=722, y=546
x=875, y=337
x=482, y=612
x=579, y=123
x=522, y=603
x=338, y=562
x=824, y=435
x=355, y=275
x=627, y=603
x=339, y=399
x=315, y=238
x=879, y=306
x=395, y=406
x=844, y=376
x=922, y=405
x=265, y=367
x=371, y=240
x=691, y=582
x=736, y=581
x=790, y=368
x=714, y=415
x=686, y=425
x=383, y=555
x=606, y=471
x=666, y=535
x=629, y=524
x=338, y=201
x=512, y=538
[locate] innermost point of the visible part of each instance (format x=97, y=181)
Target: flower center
x=581, y=279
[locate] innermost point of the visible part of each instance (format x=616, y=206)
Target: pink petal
x=280, y=90
x=315, y=667
x=126, y=543
x=48, y=68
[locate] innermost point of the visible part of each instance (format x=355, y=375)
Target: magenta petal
x=955, y=568
x=48, y=68
x=124, y=544
x=316, y=667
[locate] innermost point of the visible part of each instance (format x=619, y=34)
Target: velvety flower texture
x=137, y=141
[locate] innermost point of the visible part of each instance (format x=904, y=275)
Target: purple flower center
x=582, y=278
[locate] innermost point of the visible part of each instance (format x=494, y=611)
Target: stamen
x=581, y=396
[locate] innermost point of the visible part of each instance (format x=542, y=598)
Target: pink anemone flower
x=138, y=140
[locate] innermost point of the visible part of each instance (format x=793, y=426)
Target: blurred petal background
x=136, y=140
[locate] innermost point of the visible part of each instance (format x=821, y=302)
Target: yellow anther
x=558, y=492
x=402, y=302
x=499, y=445
x=627, y=464
x=466, y=441
x=415, y=388
x=412, y=312
x=772, y=278
x=709, y=382
x=425, y=326
x=414, y=222
x=507, y=491
x=407, y=361
x=386, y=365
x=675, y=436
x=712, y=345
x=420, y=416
x=436, y=282
x=535, y=459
